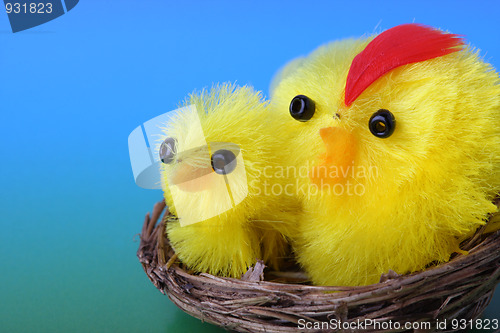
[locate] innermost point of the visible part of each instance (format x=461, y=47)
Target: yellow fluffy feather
x=255, y=228
x=414, y=195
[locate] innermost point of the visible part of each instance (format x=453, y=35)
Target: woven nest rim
x=458, y=289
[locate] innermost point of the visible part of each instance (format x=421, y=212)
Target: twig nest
x=458, y=289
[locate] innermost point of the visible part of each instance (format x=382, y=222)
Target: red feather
x=401, y=45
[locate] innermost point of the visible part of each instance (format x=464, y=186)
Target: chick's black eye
x=302, y=108
x=382, y=123
x=223, y=161
x=168, y=150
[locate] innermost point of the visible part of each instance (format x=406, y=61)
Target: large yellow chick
x=400, y=137
x=215, y=152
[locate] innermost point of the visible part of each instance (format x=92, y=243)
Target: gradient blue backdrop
x=73, y=89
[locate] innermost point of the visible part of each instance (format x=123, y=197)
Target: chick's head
x=213, y=147
x=412, y=126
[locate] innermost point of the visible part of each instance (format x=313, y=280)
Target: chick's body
x=230, y=219
x=373, y=204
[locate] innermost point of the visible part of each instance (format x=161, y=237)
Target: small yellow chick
x=215, y=153
x=401, y=139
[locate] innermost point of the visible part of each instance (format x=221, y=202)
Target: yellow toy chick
x=401, y=139
x=215, y=152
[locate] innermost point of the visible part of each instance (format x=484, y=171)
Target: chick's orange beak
x=193, y=179
x=336, y=163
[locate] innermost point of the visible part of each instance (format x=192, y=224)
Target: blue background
x=73, y=89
